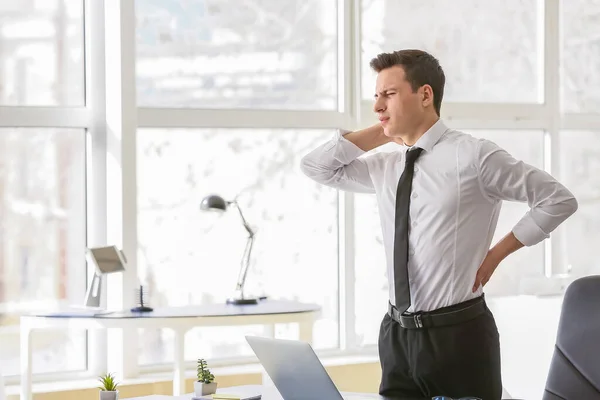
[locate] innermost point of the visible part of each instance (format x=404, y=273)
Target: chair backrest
x=575, y=367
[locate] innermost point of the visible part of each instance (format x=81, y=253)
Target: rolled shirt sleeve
x=502, y=177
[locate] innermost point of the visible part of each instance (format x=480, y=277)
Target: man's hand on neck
x=369, y=138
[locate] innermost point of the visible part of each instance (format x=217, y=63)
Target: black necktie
x=402, y=290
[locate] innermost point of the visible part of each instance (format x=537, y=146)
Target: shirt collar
x=431, y=136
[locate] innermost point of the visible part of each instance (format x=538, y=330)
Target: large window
x=580, y=81
x=188, y=256
x=42, y=178
x=483, y=60
x=580, y=162
x=225, y=97
x=229, y=54
x=42, y=241
x=251, y=58
x=488, y=67
x=41, y=53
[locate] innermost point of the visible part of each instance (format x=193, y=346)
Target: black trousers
x=456, y=360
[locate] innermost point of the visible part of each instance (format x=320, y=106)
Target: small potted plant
x=205, y=383
x=108, y=387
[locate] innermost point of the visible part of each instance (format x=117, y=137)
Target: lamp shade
x=213, y=203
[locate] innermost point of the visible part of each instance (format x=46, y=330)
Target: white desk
x=269, y=393
x=179, y=319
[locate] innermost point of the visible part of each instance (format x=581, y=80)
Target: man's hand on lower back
x=508, y=245
x=485, y=271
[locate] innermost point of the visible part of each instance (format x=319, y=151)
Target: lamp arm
x=245, y=263
x=246, y=225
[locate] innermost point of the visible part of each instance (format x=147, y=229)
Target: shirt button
x=411, y=252
x=415, y=223
x=415, y=195
x=416, y=169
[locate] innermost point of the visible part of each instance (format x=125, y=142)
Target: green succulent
x=108, y=383
x=204, y=374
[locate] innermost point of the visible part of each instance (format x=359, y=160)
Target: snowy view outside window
x=248, y=54
x=482, y=59
x=580, y=61
x=41, y=53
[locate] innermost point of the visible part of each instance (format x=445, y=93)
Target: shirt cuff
x=528, y=232
x=343, y=150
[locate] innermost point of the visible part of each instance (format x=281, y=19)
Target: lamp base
x=142, y=309
x=244, y=301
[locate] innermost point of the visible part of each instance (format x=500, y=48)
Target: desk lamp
x=218, y=204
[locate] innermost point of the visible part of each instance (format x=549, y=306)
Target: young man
x=439, y=198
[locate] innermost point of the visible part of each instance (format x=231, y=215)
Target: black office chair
x=575, y=367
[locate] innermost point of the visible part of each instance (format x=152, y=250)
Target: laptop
x=296, y=371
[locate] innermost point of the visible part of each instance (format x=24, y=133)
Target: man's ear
x=426, y=95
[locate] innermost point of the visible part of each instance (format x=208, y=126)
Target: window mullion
x=121, y=199
x=552, y=36
x=95, y=100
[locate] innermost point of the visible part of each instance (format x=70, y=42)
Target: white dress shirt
x=458, y=187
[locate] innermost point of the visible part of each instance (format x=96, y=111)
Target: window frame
x=112, y=128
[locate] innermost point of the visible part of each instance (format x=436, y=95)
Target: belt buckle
x=418, y=320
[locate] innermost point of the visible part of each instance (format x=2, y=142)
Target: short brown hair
x=420, y=68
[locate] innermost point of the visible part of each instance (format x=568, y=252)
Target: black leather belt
x=451, y=315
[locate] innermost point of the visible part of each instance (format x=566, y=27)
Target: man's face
x=398, y=108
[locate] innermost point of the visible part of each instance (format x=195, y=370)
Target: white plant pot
x=104, y=395
x=202, y=389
